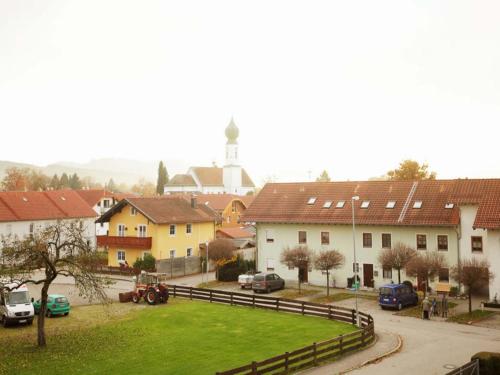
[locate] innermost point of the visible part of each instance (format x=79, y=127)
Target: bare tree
x=474, y=274
x=396, y=257
x=327, y=261
x=58, y=250
x=299, y=256
x=426, y=266
x=220, y=251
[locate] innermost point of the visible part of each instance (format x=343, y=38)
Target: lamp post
x=355, y=198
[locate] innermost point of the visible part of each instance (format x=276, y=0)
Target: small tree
x=474, y=274
x=146, y=263
x=323, y=177
x=426, y=266
x=410, y=170
x=60, y=250
x=327, y=261
x=220, y=251
x=299, y=256
x=396, y=257
x=162, y=179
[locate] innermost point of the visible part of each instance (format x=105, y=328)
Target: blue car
x=397, y=296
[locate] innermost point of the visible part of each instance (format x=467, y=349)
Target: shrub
x=147, y=263
x=489, y=363
x=231, y=270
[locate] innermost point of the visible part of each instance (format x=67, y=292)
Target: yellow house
x=229, y=207
x=166, y=227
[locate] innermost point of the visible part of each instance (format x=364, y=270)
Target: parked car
x=15, y=306
x=267, y=282
x=57, y=304
x=245, y=280
x=397, y=296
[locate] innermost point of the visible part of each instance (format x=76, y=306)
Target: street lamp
x=355, y=198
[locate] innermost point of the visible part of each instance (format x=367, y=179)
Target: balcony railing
x=143, y=243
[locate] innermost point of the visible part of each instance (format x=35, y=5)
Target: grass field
x=475, y=316
x=182, y=337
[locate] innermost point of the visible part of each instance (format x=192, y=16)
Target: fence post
x=277, y=304
x=353, y=316
x=253, y=300
x=184, y=266
x=287, y=354
x=191, y=293
x=231, y=298
x=363, y=337
x=174, y=290
x=210, y=296
x=254, y=367
x=315, y=358
x=329, y=312
x=341, y=345
x=302, y=307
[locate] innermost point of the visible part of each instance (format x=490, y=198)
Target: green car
x=57, y=304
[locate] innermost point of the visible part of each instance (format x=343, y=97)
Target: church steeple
x=232, y=132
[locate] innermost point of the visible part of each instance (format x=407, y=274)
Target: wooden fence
x=470, y=368
x=301, y=358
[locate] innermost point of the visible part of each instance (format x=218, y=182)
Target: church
x=231, y=179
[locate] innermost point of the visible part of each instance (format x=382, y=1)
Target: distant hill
x=101, y=170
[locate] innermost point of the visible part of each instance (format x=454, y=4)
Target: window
x=417, y=204
x=172, y=229
x=325, y=238
x=189, y=228
x=121, y=230
x=311, y=200
x=32, y=228
x=443, y=242
x=270, y=264
x=340, y=204
x=365, y=204
x=390, y=204
x=189, y=252
x=121, y=255
x=233, y=207
x=228, y=219
x=327, y=204
x=477, y=243
x=355, y=267
x=386, y=241
x=367, y=240
x=387, y=273
x=421, y=242
x=302, y=236
x=133, y=211
x=269, y=236
x=141, y=230
x=172, y=253
x=449, y=205
x=105, y=203
x=444, y=275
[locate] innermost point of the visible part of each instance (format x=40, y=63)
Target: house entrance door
x=368, y=275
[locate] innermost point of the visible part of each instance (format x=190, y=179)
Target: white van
x=15, y=306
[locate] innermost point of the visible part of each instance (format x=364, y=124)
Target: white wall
x=341, y=240
x=493, y=254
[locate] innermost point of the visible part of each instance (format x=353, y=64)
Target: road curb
x=379, y=358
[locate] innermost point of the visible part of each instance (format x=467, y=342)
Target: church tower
x=232, y=170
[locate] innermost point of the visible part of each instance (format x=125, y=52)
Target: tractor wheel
x=135, y=298
x=152, y=296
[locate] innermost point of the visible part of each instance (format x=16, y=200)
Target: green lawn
x=182, y=337
x=474, y=316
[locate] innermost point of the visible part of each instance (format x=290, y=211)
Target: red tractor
x=149, y=287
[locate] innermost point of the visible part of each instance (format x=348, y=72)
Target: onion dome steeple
x=232, y=132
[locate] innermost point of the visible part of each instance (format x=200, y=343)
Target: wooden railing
x=301, y=358
x=126, y=242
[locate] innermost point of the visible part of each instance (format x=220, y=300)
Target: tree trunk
x=41, y=315
x=327, y=283
x=399, y=275
x=470, y=301
x=298, y=278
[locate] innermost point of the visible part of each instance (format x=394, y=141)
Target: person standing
x=444, y=307
x=426, y=307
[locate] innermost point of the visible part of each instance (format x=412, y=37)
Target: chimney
x=194, y=203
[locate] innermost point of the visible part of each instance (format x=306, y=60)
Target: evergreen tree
x=55, y=183
x=74, y=182
x=323, y=177
x=111, y=186
x=162, y=179
x=64, y=182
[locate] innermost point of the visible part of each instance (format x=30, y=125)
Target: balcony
x=143, y=243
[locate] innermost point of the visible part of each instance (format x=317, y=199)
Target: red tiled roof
x=212, y=176
x=219, y=202
x=236, y=232
x=46, y=205
x=165, y=210
x=181, y=180
x=93, y=196
x=287, y=203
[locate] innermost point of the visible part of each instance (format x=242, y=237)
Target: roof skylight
x=365, y=204
x=390, y=204
x=449, y=205
x=327, y=204
x=311, y=200
x=417, y=204
x=340, y=204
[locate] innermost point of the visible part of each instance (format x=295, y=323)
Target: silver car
x=267, y=282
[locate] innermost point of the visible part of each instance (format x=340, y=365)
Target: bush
x=453, y=291
x=489, y=363
x=230, y=271
x=147, y=263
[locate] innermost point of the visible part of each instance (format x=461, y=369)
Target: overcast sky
x=353, y=87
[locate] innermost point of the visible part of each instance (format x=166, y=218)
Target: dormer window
x=365, y=204
x=449, y=205
x=327, y=204
x=133, y=211
x=390, y=204
x=340, y=204
x=63, y=198
x=417, y=204
x=311, y=200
